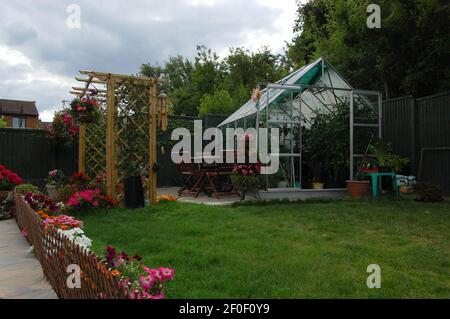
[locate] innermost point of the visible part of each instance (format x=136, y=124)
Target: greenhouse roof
x=311, y=74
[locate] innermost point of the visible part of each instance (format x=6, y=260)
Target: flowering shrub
x=8, y=179
x=245, y=177
x=79, y=180
x=40, y=202
x=247, y=169
x=77, y=236
x=85, y=110
x=89, y=199
x=62, y=222
x=142, y=282
x=56, y=177
x=166, y=198
x=63, y=130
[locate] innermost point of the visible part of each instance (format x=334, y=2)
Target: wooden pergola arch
x=99, y=142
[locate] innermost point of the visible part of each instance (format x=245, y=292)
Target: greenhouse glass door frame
x=353, y=125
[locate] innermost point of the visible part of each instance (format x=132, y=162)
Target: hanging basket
x=85, y=111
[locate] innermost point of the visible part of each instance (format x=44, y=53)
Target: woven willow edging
x=55, y=253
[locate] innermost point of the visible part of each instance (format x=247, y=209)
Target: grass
x=287, y=250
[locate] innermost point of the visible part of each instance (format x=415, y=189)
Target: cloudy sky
x=40, y=55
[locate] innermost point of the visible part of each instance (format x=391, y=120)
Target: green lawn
x=287, y=250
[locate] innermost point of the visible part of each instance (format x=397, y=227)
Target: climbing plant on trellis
x=123, y=142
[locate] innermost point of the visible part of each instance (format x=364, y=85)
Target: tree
x=409, y=55
x=220, y=102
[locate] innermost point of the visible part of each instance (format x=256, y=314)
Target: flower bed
x=59, y=242
x=8, y=179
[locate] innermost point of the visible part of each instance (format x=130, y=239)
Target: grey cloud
x=118, y=36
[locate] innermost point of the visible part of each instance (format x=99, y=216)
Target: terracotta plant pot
x=358, y=189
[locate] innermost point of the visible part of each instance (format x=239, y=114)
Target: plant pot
x=318, y=185
x=406, y=189
x=52, y=192
x=133, y=192
x=358, y=189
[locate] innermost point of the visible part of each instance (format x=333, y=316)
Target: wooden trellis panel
x=94, y=153
x=126, y=132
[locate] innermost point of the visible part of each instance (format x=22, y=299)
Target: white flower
x=77, y=236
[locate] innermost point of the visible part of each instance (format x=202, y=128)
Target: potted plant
x=63, y=130
x=368, y=165
x=55, y=180
x=245, y=178
x=8, y=180
x=133, y=188
x=317, y=183
x=397, y=163
x=383, y=154
x=358, y=187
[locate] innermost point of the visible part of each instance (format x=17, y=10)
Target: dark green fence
x=28, y=152
x=420, y=130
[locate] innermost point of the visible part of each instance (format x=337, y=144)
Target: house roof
x=16, y=107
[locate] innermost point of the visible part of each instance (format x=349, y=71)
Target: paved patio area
x=202, y=198
x=21, y=275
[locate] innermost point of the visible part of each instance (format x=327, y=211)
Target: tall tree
x=410, y=54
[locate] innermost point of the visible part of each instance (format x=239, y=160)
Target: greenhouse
x=325, y=126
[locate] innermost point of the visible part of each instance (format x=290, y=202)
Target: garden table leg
x=374, y=185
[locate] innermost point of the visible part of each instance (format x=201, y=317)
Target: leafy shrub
x=427, y=192
x=56, y=177
x=27, y=188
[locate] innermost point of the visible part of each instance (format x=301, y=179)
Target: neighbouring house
x=19, y=114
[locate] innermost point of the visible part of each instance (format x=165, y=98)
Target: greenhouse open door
x=365, y=124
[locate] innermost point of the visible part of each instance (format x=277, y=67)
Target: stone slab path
x=21, y=275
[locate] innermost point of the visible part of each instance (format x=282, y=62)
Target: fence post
x=413, y=136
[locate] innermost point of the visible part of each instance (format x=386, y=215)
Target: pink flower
x=147, y=282
x=167, y=273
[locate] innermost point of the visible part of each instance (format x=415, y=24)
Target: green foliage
x=327, y=140
x=2, y=123
x=386, y=158
x=237, y=74
x=263, y=249
x=27, y=188
x=409, y=54
x=220, y=102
